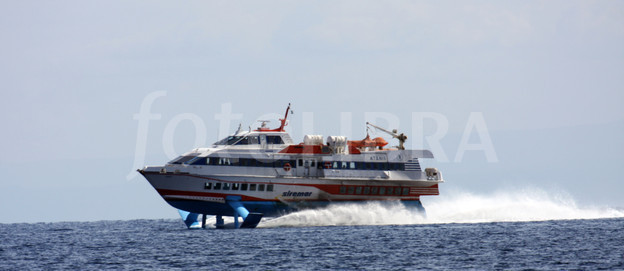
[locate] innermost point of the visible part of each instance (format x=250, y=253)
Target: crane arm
x=379, y=128
x=401, y=137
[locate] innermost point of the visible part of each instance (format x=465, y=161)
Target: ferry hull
x=188, y=192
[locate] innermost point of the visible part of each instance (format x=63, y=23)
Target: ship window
x=358, y=190
x=243, y=141
x=250, y=140
x=366, y=190
x=244, y=187
x=406, y=191
x=252, y=187
x=208, y=186
x=369, y=166
x=235, y=186
x=343, y=190
x=270, y=187
x=232, y=140
x=226, y=186
x=374, y=190
x=352, y=165
x=189, y=162
x=274, y=139
x=217, y=186
x=382, y=190
x=300, y=162
x=207, y=160
x=343, y=164
x=351, y=188
x=397, y=191
x=181, y=159
x=313, y=163
x=212, y=161
x=335, y=164
x=389, y=191
x=261, y=187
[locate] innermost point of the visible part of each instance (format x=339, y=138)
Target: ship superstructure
x=262, y=172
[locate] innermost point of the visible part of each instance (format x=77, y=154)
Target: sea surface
x=507, y=231
x=167, y=244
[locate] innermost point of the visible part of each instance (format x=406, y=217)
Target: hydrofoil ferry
x=257, y=173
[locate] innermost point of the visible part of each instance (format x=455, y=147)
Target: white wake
x=503, y=206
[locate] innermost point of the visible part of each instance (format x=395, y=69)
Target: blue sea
x=507, y=231
x=167, y=244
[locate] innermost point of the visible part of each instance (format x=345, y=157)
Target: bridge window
x=226, y=186
x=397, y=191
x=374, y=190
x=389, y=191
x=382, y=190
x=235, y=186
x=238, y=140
x=366, y=190
x=343, y=190
x=358, y=190
x=261, y=187
x=189, y=162
x=270, y=187
x=217, y=186
x=247, y=140
x=208, y=186
x=273, y=139
x=252, y=187
x=181, y=159
x=406, y=191
x=244, y=187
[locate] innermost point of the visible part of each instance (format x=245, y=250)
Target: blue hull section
x=272, y=209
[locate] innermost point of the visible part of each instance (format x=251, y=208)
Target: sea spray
x=529, y=204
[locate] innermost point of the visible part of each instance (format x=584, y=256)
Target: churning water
x=518, y=206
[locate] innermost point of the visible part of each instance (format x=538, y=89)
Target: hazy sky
x=547, y=77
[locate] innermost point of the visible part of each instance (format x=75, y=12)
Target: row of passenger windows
x=363, y=165
x=251, y=162
x=374, y=190
x=238, y=186
x=245, y=162
x=249, y=140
